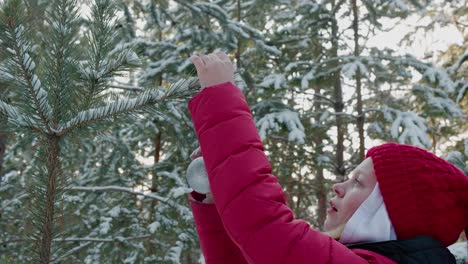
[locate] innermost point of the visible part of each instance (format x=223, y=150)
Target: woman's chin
x=333, y=231
x=330, y=221
x=327, y=226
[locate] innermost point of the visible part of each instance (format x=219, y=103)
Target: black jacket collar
x=418, y=250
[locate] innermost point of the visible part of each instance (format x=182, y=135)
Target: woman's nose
x=338, y=189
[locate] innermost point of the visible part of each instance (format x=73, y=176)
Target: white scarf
x=370, y=222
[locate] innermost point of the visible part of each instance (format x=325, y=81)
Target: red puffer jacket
x=251, y=222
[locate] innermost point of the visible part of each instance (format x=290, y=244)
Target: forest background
x=95, y=136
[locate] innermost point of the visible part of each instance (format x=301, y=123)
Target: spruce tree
x=64, y=96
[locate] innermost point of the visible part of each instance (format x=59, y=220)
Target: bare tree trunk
x=157, y=143
x=238, y=52
x=321, y=193
x=3, y=140
x=360, y=118
x=300, y=196
x=156, y=155
x=289, y=186
x=339, y=105
x=54, y=173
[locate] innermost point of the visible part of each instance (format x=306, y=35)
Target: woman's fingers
x=205, y=59
x=201, y=62
x=198, y=62
x=222, y=56
x=214, y=68
x=196, y=153
x=211, y=58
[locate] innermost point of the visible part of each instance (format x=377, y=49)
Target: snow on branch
x=349, y=69
x=112, y=188
x=175, y=252
x=15, y=117
x=239, y=28
x=182, y=88
x=127, y=87
x=432, y=74
x=213, y=10
x=247, y=31
x=275, y=80
x=439, y=100
x=270, y=49
x=407, y=127
x=159, y=66
x=182, y=210
x=461, y=92
x=118, y=59
x=464, y=57
x=90, y=239
x=25, y=63
x=9, y=110
x=273, y=122
x=5, y=76
x=112, y=109
x=310, y=75
x=398, y=4
x=74, y=250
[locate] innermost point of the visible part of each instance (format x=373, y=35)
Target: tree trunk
x=3, y=140
x=54, y=173
x=360, y=118
x=156, y=157
x=238, y=52
x=321, y=193
x=339, y=105
x=2, y=151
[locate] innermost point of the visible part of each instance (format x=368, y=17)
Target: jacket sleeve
x=216, y=245
x=249, y=199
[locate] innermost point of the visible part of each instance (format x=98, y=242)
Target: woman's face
x=349, y=195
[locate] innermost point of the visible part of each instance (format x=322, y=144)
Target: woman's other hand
x=197, y=178
x=212, y=69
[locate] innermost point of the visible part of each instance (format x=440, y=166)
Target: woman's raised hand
x=212, y=69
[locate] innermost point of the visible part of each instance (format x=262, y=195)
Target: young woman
x=402, y=204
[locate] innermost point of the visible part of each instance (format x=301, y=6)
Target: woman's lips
x=332, y=207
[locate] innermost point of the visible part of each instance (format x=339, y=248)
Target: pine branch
x=112, y=188
x=61, y=65
x=21, y=50
x=117, y=60
x=87, y=117
x=5, y=75
x=90, y=239
x=127, y=87
x=452, y=69
x=15, y=117
x=81, y=239
x=180, y=89
x=72, y=251
x=106, y=58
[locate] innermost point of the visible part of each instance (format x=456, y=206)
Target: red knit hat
x=423, y=194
